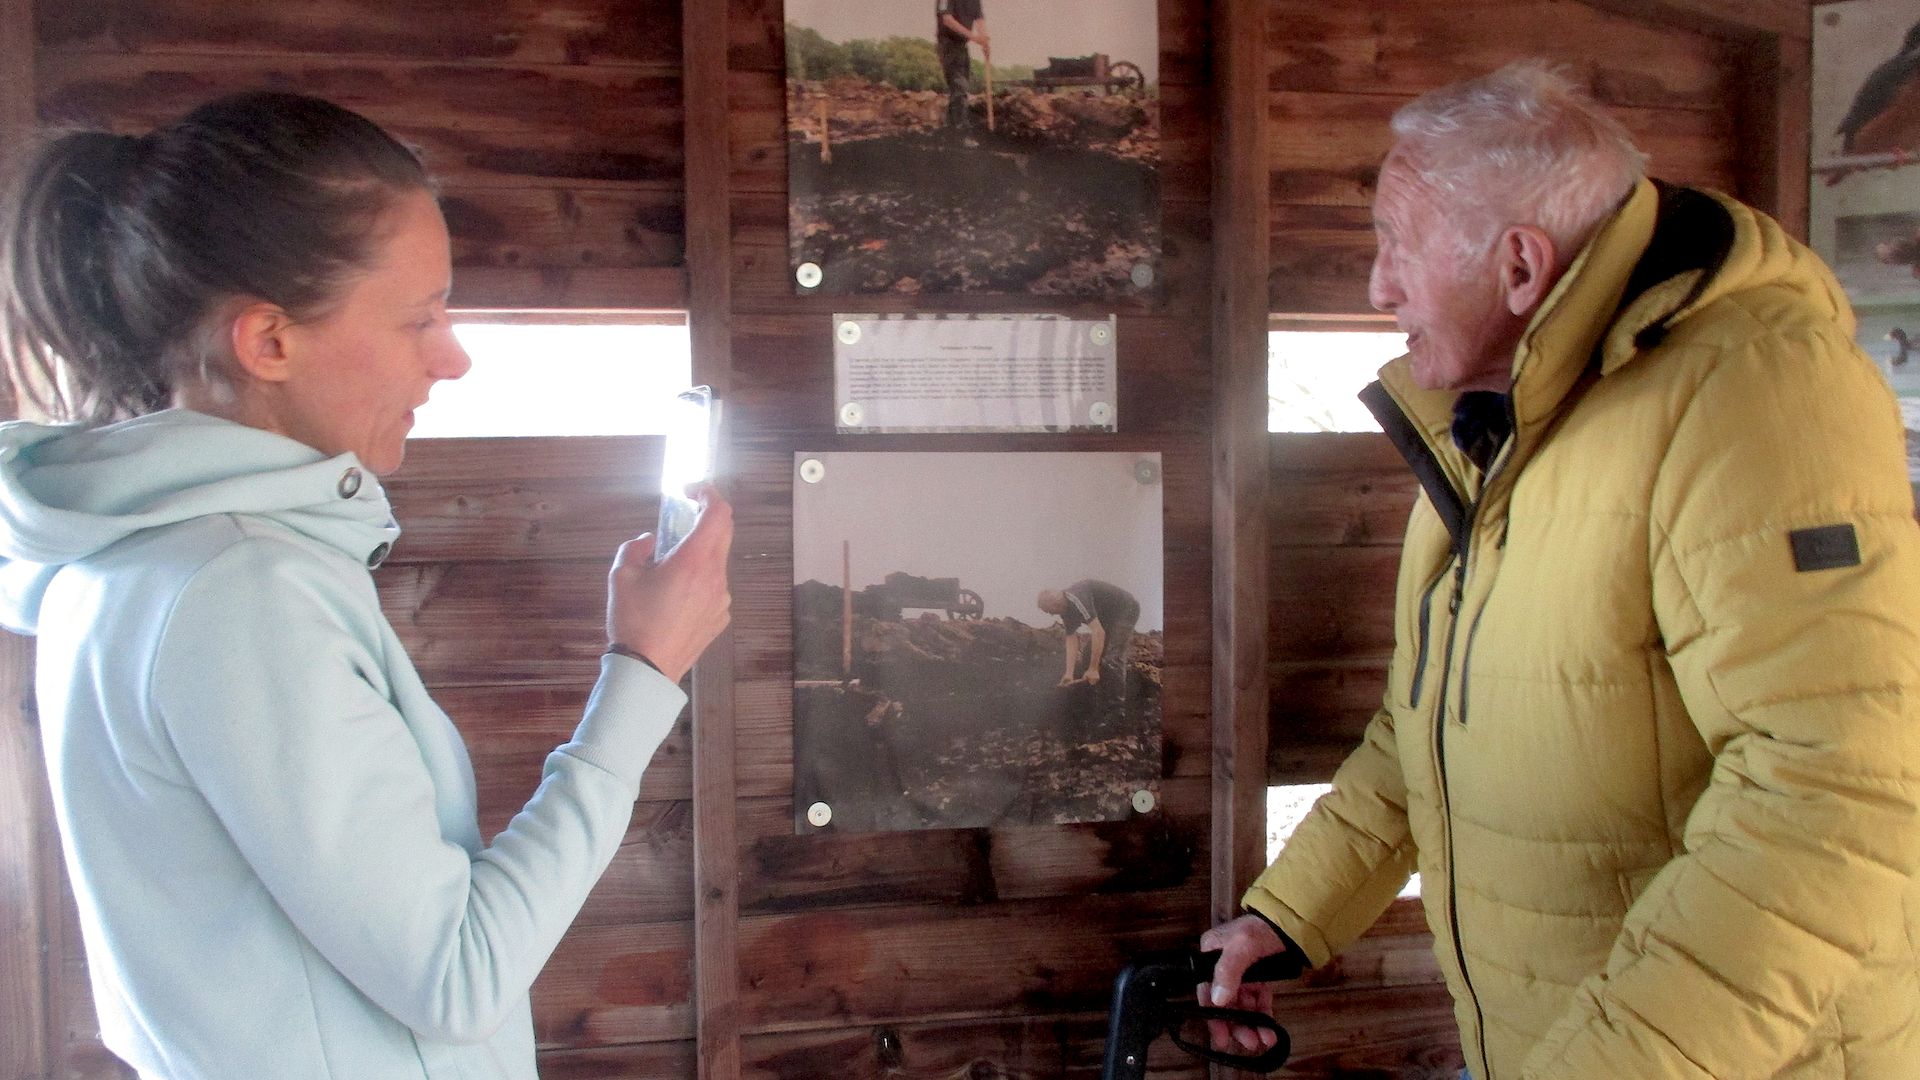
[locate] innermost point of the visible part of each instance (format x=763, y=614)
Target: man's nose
x=1383, y=286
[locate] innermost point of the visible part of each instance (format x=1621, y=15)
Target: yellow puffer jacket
x=1652, y=728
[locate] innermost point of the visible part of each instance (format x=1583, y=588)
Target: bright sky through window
x=544, y=379
x=1312, y=377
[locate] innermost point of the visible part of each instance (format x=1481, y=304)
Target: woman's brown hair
x=116, y=250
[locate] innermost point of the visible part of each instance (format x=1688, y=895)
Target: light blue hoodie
x=269, y=824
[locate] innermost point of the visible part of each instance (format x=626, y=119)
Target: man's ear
x=1529, y=266
x=260, y=341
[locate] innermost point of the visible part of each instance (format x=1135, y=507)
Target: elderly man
x=1651, y=733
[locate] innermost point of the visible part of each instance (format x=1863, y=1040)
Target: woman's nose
x=450, y=360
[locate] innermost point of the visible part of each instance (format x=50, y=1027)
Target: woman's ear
x=260, y=341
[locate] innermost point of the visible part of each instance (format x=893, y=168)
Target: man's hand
x=1240, y=943
x=1093, y=675
x=669, y=612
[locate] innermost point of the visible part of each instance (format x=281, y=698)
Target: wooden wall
x=1709, y=90
x=556, y=125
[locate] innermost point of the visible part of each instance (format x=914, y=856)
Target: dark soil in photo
x=961, y=723
x=1062, y=199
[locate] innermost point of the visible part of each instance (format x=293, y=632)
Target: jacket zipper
x=1420, y=659
x=1440, y=722
x=1446, y=793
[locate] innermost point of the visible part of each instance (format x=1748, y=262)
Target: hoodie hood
x=68, y=492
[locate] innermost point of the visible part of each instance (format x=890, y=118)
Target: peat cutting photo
x=935, y=718
x=1057, y=194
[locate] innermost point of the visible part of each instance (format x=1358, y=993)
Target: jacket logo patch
x=1828, y=547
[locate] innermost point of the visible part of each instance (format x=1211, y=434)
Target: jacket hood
x=68, y=492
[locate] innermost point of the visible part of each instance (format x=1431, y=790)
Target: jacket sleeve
x=1802, y=681
x=1349, y=857
x=275, y=697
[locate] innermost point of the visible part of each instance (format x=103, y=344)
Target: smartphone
x=693, y=427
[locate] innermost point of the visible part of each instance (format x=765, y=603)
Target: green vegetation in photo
x=901, y=62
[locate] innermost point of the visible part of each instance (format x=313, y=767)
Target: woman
x=269, y=824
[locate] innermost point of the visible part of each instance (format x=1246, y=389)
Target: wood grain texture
x=1681, y=81
x=706, y=39
x=24, y=821
x=1026, y=1048
x=499, y=125
x=511, y=31
x=1411, y=46
x=608, y=985
x=625, y=227
x=782, y=872
x=1241, y=214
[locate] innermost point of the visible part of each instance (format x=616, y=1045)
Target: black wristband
x=621, y=650
x=1284, y=939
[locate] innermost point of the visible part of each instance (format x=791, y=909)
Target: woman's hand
x=669, y=612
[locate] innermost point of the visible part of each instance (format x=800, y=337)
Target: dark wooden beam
x=1784, y=18
x=26, y=857
x=1241, y=216
x=716, y=902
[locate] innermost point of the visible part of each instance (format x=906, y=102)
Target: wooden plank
x=1412, y=47
x=1023, y=1048
x=651, y=877
x=500, y=125
x=1392, y=1033
x=608, y=985
x=637, y=1061
x=630, y=226
x=1730, y=18
x=559, y=287
x=1317, y=706
x=28, y=854
x=1397, y=1033
x=893, y=964
x=1360, y=502
x=1239, y=347
x=508, y=31
x=509, y=731
x=431, y=461
x=587, y=517
x=1773, y=114
x=24, y=816
x=488, y=624
x=782, y=872
x=1334, y=602
x=706, y=36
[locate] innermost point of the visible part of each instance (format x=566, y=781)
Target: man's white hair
x=1522, y=146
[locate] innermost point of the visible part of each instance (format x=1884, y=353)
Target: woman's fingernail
x=1219, y=994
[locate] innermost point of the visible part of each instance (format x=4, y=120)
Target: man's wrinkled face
x=1448, y=302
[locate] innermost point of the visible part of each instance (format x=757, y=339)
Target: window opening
x=1287, y=804
x=561, y=373
x=1315, y=367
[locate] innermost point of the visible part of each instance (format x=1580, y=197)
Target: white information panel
x=974, y=372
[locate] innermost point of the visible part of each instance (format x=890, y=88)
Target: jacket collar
x=1646, y=267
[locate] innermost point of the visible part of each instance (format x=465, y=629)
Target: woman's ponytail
x=66, y=341
x=117, y=252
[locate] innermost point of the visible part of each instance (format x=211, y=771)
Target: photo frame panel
x=1864, y=200
x=932, y=686
x=920, y=163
